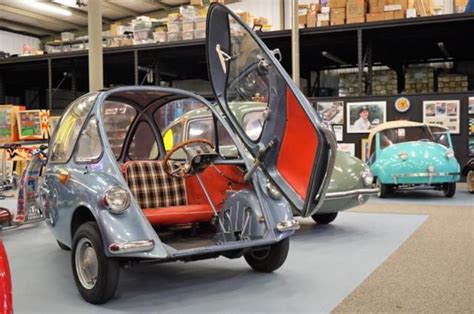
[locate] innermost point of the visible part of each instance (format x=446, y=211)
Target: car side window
x=89, y=146
x=118, y=118
x=143, y=143
x=64, y=138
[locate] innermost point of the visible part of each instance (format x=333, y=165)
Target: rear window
x=400, y=135
x=117, y=120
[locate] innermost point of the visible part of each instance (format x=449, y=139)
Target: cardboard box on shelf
x=8, y=122
x=311, y=19
x=197, y=2
x=374, y=17
x=323, y=17
x=392, y=7
x=397, y=15
x=376, y=7
x=388, y=16
x=337, y=3
x=322, y=23
x=315, y=7
x=338, y=13
x=355, y=19
x=247, y=18
x=424, y=7
x=338, y=21
x=460, y=6
x=356, y=9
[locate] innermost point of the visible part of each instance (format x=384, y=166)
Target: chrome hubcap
x=379, y=186
x=87, y=264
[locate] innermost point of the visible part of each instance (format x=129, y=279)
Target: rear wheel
x=449, y=189
x=269, y=260
x=96, y=276
x=324, y=219
x=470, y=181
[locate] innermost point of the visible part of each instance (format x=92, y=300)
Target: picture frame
x=339, y=132
x=331, y=112
x=364, y=149
x=29, y=124
x=443, y=112
x=470, y=149
x=471, y=105
x=470, y=131
x=363, y=116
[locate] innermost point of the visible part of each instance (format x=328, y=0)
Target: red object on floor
x=5, y=283
x=178, y=214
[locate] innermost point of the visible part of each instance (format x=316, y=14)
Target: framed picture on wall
x=338, y=130
x=363, y=116
x=364, y=149
x=442, y=112
x=471, y=106
x=331, y=111
x=347, y=148
x=470, y=150
x=471, y=127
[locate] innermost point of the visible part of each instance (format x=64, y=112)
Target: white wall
x=13, y=43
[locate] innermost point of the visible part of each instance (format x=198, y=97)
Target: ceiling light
x=48, y=7
x=72, y=3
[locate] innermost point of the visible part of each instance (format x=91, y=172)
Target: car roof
x=398, y=124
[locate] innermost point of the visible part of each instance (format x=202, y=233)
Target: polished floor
x=325, y=264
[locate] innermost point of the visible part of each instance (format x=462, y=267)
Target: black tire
x=63, y=246
x=470, y=181
x=324, y=219
x=449, y=189
x=269, y=260
x=385, y=189
x=108, y=269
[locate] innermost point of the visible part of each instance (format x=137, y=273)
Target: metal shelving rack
x=395, y=43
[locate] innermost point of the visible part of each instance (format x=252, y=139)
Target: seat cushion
x=152, y=186
x=178, y=214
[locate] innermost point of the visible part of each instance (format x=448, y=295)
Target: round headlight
x=117, y=200
x=367, y=177
x=403, y=156
x=450, y=154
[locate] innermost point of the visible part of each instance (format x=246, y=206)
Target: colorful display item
x=405, y=154
x=8, y=122
x=30, y=125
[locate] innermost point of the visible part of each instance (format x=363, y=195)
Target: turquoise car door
x=292, y=147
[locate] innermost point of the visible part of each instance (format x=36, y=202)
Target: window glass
x=440, y=135
x=172, y=116
x=143, y=145
x=248, y=77
x=64, y=139
x=401, y=135
x=89, y=147
x=253, y=124
x=202, y=129
x=117, y=120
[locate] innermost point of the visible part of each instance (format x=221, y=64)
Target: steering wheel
x=192, y=158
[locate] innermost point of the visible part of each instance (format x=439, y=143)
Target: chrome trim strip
x=425, y=174
x=288, y=225
x=350, y=193
x=131, y=247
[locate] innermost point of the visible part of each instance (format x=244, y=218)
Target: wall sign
x=402, y=104
x=442, y=112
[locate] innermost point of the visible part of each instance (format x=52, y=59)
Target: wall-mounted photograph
x=338, y=131
x=442, y=112
x=363, y=116
x=364, y=149
x=470, y=151
x=331, y=111
x=471, y=105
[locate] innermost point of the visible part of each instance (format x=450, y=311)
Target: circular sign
x=402, y=104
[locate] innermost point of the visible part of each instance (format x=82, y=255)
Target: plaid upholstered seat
x=162, y=197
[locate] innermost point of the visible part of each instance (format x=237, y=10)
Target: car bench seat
x=162, y=197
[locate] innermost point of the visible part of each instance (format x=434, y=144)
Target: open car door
x=288, y=141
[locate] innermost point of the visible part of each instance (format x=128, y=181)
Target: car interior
x=180, y=193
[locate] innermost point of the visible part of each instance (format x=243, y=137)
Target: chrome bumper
x=288, y=225
x=131, y=247
x=351, y=193
x=429, y=175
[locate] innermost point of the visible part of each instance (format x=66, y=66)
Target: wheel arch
x=81, y=215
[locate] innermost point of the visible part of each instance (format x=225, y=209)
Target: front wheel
x=449, y=189
x=324, y=219
x=470, y=181
x=384, y=189
x=96, y=276
x=269, y=260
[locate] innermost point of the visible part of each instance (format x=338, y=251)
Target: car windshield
x=440, y=135
x=408, y=134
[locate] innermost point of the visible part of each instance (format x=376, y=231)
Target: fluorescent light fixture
x=48, y=7
x=68, y=3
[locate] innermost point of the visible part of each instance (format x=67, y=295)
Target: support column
x=2, y=89
x=135, y=66
x=50, y=85
x=94, y=30
x=360, y=62
x=295, y=43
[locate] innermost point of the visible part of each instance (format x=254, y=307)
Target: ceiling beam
x=19, y=27
x=159, y=3
x=39, y=17
x=118, y=8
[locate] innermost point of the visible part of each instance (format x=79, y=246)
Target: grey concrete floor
x=325, y=264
